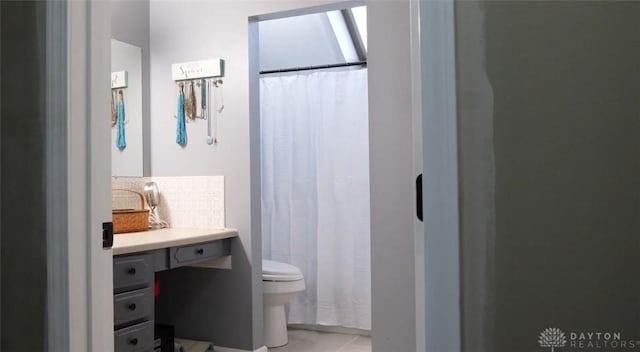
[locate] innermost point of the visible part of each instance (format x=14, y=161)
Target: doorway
x=311, y=126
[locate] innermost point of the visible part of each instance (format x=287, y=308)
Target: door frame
x=78, y=176
x=416, y=117
x=438, y=275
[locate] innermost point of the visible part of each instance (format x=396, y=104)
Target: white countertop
x=125, y=243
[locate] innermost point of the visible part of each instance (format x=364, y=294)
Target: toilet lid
x=277, y=271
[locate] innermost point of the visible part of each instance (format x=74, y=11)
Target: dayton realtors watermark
x=554, y=338
x=610, y=340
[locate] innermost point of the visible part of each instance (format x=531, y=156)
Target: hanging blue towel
x=120, y=140
x=181, y=134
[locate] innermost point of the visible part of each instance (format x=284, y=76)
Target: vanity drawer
x=131, y=272
x=133, y=306
x=198, y=252
x=137, y=338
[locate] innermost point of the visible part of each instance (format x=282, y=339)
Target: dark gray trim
x=23, y=228
x=0, y=175
x=352, y=27
x=318, y=67
x=56, y=177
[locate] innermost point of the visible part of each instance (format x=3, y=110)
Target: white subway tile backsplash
x=185, y=201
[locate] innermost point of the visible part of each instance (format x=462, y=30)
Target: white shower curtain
x=315, y=191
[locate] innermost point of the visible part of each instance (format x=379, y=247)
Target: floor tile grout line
x=341, y=348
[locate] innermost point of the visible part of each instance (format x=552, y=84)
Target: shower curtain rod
x=307, y=68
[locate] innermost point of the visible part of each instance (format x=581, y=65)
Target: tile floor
x=315, y=341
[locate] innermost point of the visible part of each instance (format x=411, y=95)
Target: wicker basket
x=130, y=220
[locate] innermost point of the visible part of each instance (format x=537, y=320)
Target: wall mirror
x=126, y=109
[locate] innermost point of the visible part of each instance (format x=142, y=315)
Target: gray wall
x=130, y=24
x=550, y=90
x=477, y=180
x=392, y=177
x=22, y=217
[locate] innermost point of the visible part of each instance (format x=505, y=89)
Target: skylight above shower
x=320, y=39
x=360, y=17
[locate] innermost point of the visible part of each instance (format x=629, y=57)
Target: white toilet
x=280, y=282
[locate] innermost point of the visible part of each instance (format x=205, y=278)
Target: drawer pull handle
x=132, y=306
x=132, y=271
x=133, y=341
x=200, y=251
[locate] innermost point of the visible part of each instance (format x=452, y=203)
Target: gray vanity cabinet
x=134, y=306
x=133, y=277
x=199, y=252
x=133, y=302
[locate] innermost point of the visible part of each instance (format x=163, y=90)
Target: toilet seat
x=277, y=271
